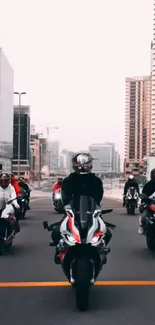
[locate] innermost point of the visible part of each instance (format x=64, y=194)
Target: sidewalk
x=114, y=193
x=34, y=185
x=111, y=194
x=36, y=194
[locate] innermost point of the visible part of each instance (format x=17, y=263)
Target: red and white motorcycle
x=82, y=249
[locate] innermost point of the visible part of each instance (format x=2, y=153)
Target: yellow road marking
x=67, y=284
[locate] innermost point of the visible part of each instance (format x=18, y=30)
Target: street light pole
x=19, y=128
x=40, y=165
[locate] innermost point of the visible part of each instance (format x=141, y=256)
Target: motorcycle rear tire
x=131, y=210
x=10, y=245
x=150, y=242
x=2, y=250
x=22, y=215
x=82, y=284
x=128, y=210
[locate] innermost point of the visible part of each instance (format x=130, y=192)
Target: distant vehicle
x=131, y=200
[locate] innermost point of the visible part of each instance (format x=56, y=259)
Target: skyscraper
x=6, y=113
x=153, y=85
x=117, y=168
x=24, y=142
x=103, y=157
x=137, y=124
x=53, y=156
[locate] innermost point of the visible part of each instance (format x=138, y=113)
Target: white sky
x=72, y=57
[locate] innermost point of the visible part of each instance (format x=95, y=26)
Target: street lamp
x=19, y=128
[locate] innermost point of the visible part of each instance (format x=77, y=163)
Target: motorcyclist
x=15, y=184
x=22, y=184
x=7, y=192
x=148, y=189
x=80, y=182
x=57, y=185
x=131, y=182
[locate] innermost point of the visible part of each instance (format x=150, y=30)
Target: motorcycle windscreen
x=87, y=206
x=132, y=191
x=23, y=192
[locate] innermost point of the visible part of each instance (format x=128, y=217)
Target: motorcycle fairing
x=68, y=228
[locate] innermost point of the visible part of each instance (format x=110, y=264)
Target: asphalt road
x=47, y=186
x=31, y=259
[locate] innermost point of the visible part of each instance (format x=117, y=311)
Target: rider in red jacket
x=57, y=185
x=15, y=185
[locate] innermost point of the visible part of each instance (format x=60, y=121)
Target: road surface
x=108, y=183
x=31, y=260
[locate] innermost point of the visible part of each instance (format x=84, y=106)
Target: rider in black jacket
x=148, y=189
x=131, y=182
x=81, y=182
x=25, y=187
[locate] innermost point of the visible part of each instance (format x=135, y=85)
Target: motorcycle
x=23, y=202
x=7, y=230
x=131, y=200
x=57, y=201
x=148, y=204
x=82, y=249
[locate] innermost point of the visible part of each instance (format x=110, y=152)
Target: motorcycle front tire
x=82, y=284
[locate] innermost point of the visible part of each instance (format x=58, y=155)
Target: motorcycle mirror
x=10, y=201
x=45, y=225
x=110, y=225
x=143, y=196
x=107, y=211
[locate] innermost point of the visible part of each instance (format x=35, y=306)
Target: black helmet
x=82, y=162
x=152, y=174
x=60, y=180
x=4, y=180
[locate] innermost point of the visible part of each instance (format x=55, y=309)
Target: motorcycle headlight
x=94, y=240
x=71, y=239
x=22, y=200
x=57, y=196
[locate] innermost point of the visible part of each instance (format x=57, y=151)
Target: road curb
x=112, y=198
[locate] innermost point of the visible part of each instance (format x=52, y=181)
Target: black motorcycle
x=82, y=249
x=131, y=200
x=148, y=205
x=23, y=203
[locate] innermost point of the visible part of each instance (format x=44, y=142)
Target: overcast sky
x=72, y=57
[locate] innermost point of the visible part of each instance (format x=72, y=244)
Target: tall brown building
x=137, y=124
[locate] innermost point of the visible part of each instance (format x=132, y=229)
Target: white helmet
x=131, y=177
